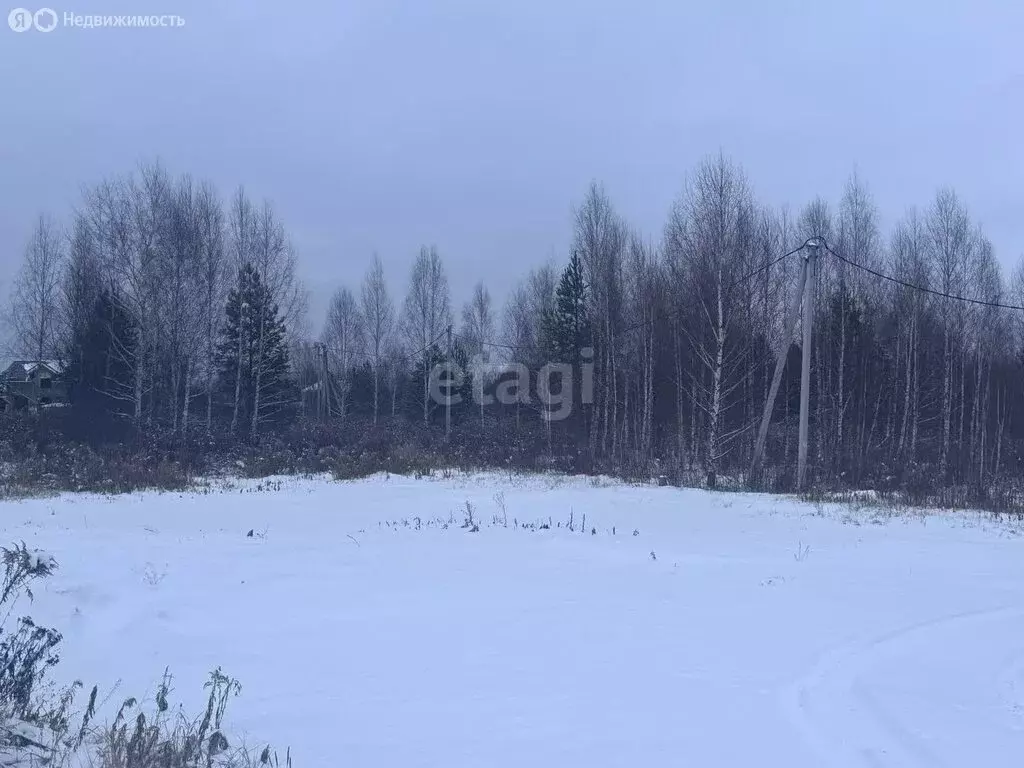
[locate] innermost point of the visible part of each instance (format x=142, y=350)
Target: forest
x=178, y=313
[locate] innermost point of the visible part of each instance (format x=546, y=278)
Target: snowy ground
x=730, y=630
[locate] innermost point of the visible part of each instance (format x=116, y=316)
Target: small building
x=32, y=384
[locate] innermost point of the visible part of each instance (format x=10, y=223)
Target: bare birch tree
x=600, y=240
x=477, y=333
x=426, y=313
x=951, y=241
x=213, y=276
x=709, y=242
x=378, y=311
x=909, y=263
x=343, y=336
x=34, y=309
x=274, y=260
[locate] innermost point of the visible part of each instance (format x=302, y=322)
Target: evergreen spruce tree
x=566, y=332
x=243, y=360
x=566, y=329
x=96, y=356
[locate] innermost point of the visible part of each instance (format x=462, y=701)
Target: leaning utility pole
x=810, y=259
x=788, y=325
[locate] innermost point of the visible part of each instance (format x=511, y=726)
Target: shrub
x=166, y=740
x=36, y=724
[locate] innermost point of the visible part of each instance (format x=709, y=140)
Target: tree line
x=174, y=309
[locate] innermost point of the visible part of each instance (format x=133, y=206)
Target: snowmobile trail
x=840, y=708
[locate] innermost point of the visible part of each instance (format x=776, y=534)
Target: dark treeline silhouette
x=179, y=314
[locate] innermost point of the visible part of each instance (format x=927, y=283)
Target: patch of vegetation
x=38, y=723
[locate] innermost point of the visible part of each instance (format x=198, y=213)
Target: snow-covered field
x=677, y=628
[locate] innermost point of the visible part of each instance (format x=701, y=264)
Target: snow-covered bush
x=34, y=714
x=170, y=739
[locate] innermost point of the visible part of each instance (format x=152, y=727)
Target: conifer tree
x=96, y=357
x=566, y=332
x=566, y=327
x=244, y=362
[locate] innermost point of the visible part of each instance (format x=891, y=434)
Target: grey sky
x=475, y=125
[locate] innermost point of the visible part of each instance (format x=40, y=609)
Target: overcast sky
x=475, y=125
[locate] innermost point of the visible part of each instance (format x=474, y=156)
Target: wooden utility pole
x=788, y=325
x=810, y=261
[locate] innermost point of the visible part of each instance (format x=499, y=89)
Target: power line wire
x=407, y=356
x=769, y=265
x=629, y=329
x=914, y=287
x=637, y=326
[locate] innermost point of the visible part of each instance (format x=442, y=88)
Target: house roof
x=20, y=370
x=55, y=366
